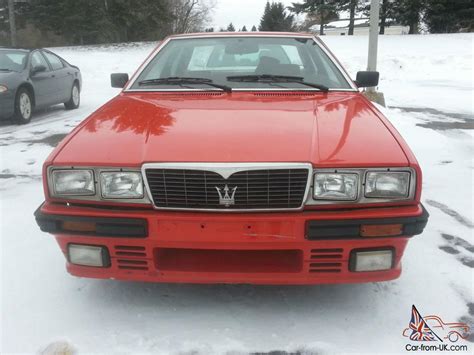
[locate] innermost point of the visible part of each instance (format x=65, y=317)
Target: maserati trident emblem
x=226, y=199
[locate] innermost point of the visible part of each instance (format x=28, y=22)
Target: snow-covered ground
x=428, y=85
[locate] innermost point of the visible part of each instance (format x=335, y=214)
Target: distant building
x=361, y=28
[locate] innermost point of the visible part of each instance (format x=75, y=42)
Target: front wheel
x=453, y=337
x=23, y=106
x=75, y=99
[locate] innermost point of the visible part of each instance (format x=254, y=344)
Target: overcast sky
x=240, y=12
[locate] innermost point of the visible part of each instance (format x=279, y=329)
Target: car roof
x=245, y=34
x=18, y=49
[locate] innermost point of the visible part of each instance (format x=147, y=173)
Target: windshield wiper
x=183, y=81
x=266, y=78
x=5, y=69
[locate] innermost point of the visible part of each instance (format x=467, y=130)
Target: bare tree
x=190, y=15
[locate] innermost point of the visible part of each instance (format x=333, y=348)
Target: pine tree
x=275, y=18
x=348, y=5
x=231, y=27
x=92, y=21
x=447, y=16
x=244, y=29
x=325, y=10
x=408, y=13
x=388, y=12
x=79, y=21
x=254, y=28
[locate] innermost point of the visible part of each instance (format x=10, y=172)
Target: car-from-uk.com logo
x=439, y=334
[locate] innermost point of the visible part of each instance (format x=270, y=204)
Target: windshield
x=12, y=60
x=218, y=58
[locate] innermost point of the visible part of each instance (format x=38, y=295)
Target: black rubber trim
x=352, y=259
x=105, y=226
x=350, y=228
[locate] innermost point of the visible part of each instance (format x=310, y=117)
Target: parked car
x=448, y=331
x=235, y=158
x=35, y=78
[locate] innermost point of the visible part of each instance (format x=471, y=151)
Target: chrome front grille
x=231, y=189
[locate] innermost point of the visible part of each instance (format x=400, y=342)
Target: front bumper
x=7, y=105
x=261, y=248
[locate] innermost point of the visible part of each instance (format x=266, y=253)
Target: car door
x=63, y=77
x=42, y=81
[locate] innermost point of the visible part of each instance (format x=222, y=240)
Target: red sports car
x=235, y=158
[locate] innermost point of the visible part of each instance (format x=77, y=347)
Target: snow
x=345, y=23
x=429, y=79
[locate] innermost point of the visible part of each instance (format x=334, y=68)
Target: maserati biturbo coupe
x=235, y=158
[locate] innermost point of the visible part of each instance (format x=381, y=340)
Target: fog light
x=373, y=260
x=88, y=255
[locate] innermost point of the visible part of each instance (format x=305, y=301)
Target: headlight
x=3, y=89
x=335, y=186
x=387, y=184
x=121, y=185
x=73, y=182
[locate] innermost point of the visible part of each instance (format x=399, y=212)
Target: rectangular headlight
x=376, y=260
x=329, y=186
x=387, y=184
x=121, y=185
x=88, y=255
x=73, y=182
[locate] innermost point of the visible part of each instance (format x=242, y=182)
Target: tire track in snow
x=450, y=212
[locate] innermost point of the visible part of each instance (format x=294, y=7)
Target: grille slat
x=137, y=255
x=256, y=189
x=326, y=260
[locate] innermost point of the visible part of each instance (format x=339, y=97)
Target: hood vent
x=284, y=94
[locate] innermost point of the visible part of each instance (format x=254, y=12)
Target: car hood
x=332, y=130
x=10, y=78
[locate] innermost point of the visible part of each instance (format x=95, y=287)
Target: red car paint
x=329, y=130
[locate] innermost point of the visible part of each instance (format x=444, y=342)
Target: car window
x=221, y=59
x=432, y=322
x=55, y=62
x=200, y=57
x=37, y=59
x=293, y=55
x=12, y=60
x=217, y=58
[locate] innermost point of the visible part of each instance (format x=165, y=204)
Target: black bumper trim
x=105, y=226
x=350, y=228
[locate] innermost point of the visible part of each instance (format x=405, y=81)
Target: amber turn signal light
x=73, y=226
x=381, y=230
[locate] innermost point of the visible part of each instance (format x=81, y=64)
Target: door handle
x=53, y=76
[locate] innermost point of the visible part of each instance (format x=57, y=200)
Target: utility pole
x=11, y=20
x=371, y=93
x=373, y=36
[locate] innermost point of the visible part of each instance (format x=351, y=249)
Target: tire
x=75, y=99
x=453, y=337
x=23, y=106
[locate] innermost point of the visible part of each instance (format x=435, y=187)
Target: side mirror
x=118, y=80
x=38, y=69
x=367, y=79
